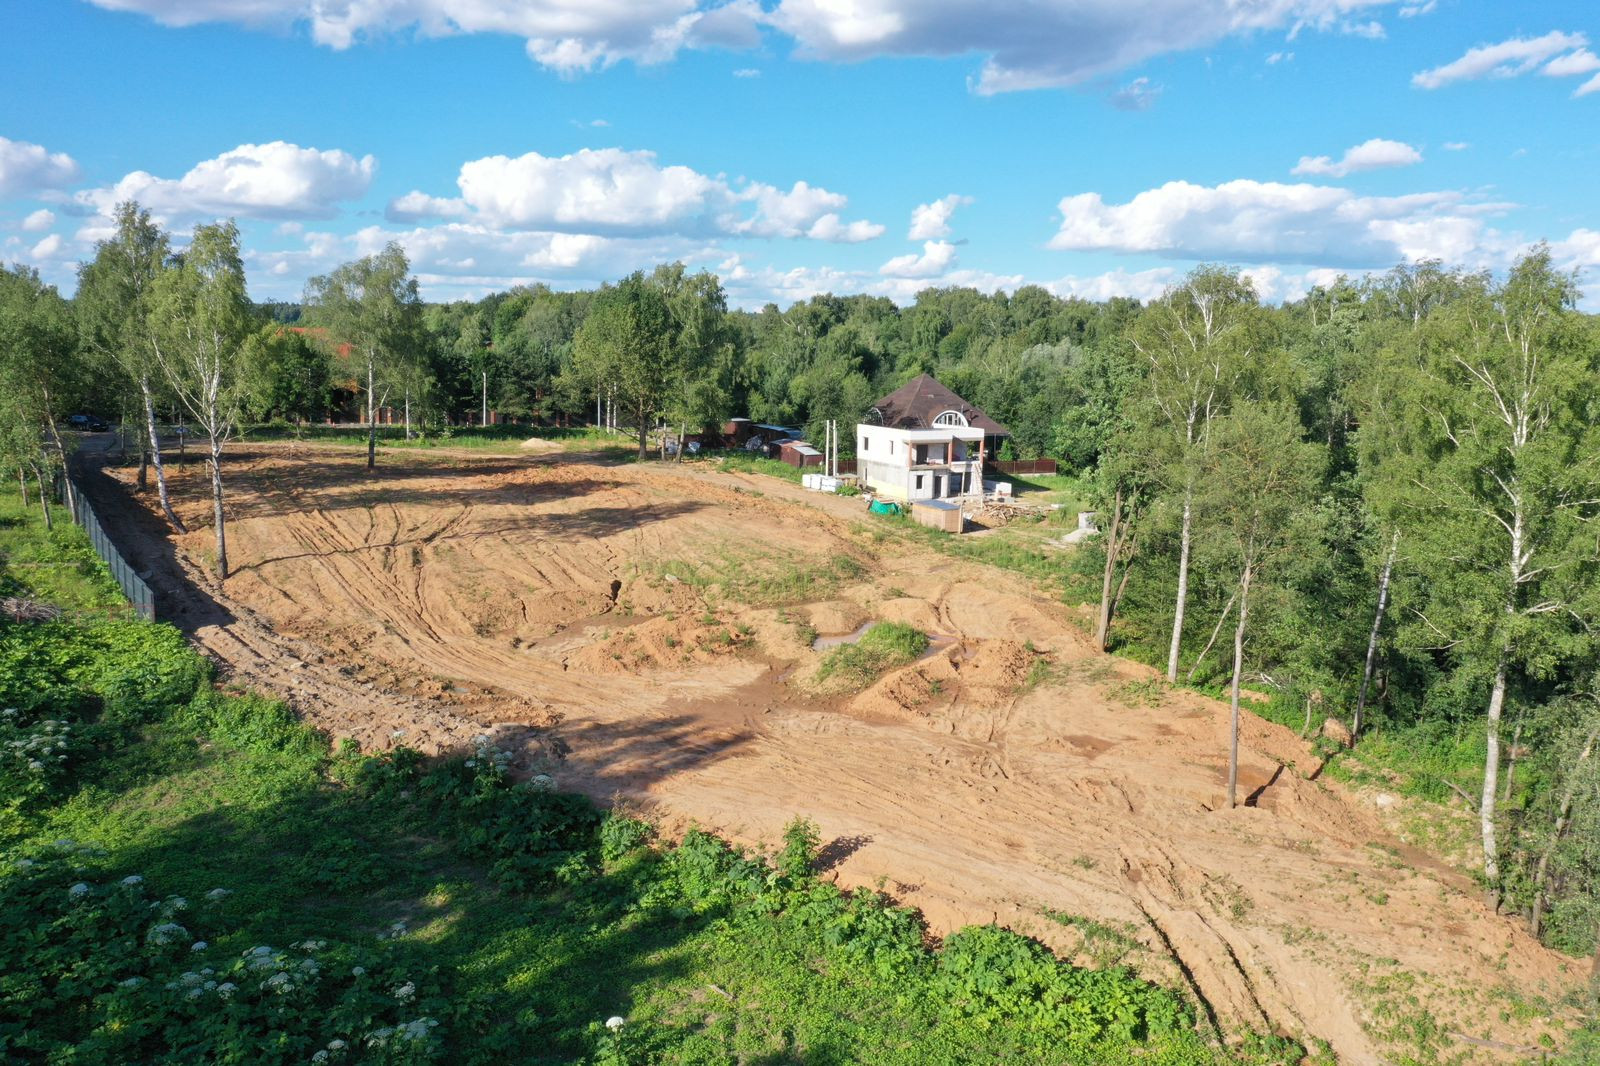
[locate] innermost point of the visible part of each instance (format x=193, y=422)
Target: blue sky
x=796, y=146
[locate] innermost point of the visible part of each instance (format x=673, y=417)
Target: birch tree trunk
x=22, y=480
x=1183, y=586
x=67, y=489
x=44, y=497
x=155, y=456
x=1491, y=774
x=1238, y=669
x=1372, y=640
x=216, y=508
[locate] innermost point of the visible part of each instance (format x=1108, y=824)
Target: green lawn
x=1068, y=490
x=190, y=875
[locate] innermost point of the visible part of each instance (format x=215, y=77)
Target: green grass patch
x=56, y=566
x=884, y=646
x=767, y=579
x=751, y=463
x=1018, y=547
x=1068, y=490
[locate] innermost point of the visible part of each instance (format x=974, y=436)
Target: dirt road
x=642, y=633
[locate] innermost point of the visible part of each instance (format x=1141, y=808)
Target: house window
x=919, y=482
x=950, y=418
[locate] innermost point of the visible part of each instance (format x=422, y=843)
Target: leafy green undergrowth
x=750, y=463
x=207, y=881
x=884, y=646
x=57, y=567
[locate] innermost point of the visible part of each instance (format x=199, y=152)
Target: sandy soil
x=599, y=620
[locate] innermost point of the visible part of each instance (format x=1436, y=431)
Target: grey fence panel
x=132, y=584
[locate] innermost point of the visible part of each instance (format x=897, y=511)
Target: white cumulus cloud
x=1368, y=155
x=937, y=258
x=1572, y=64
x=38, y=221
x=1027, y=43
x=27, y=168
x=568, y=36
x=1507, y=59
x=269, y=181
x=617, y=192
x=930, y=221
x=48, y=248
x=1266, y=222
x=1031, y=44
x=1590, y=86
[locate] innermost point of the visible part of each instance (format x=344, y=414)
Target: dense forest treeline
x=1377, y=503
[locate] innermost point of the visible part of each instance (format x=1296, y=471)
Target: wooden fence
x=1021, y=466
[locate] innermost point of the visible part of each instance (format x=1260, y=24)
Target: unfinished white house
x=923, y=442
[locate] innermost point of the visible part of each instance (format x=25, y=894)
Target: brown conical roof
x=919, y=401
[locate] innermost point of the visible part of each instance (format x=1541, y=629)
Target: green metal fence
x=133, y=586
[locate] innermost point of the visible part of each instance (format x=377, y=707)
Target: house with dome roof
x=923, y=442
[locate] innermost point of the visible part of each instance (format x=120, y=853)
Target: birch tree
x=626, y=343
x=114, y=319
x=1196, y=340
x=1496, y=480
x=202, y=319
x=37, y=371
x=1259, y=477
x=372, y=305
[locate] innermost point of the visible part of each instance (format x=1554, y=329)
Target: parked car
x=87, y=423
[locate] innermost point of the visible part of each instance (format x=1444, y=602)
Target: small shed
x=938, y=514
x=798, y=453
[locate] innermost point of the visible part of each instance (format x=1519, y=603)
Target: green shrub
x=990, y=976
x=884, y=646
x=799, y=854
x=620, y=835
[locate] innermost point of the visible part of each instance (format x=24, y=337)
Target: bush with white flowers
x=96, y=968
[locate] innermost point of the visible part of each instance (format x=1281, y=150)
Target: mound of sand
x=658, y=643
x=974, y=676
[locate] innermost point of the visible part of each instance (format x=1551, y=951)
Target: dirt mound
x=659, y=643
x=951, y=682
x=426, y=603
x=540, y=446
x=834, y=618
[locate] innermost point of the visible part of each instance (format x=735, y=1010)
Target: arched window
x=950, y=418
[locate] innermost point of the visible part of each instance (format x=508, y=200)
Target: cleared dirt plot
x=646, y=635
